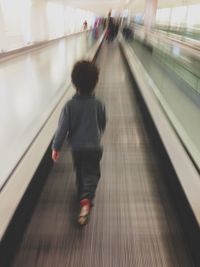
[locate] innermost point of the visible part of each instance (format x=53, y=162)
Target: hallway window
x=69, y=20
x=178, y=17
x=55, y=20
x=163, y=16
x=16, y=18
x=193, y=18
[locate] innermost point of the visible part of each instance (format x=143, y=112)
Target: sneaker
x=85, y=211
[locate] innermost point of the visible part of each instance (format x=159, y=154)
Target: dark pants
x=87, y=165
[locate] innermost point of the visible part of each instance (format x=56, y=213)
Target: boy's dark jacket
x=83, y=120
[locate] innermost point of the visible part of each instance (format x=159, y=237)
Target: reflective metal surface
x=30, y=86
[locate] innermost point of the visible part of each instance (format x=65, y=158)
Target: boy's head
x=85, y=76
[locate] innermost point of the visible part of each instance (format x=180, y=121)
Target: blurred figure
x=128, y=33
x=83, y=120
x=104, y=22
x=112, y=30
x=96, y=30
x=116, y=28
x=85, y=25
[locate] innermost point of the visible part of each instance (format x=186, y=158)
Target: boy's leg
x=77, y=165
x=90, y=171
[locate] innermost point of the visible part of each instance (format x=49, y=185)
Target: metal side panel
x=185, y=169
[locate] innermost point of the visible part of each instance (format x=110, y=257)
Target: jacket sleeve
x=62, y=130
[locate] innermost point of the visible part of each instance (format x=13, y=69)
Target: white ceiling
x=172, y=3
x=136, y=6
x=99, y=6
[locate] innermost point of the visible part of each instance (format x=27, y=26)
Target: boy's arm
x=62, y=130
x=55, y=155
x=103, y=117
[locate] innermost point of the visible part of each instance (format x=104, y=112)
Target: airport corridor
x=134, y=221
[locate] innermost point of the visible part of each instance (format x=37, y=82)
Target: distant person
x=96, y=30
x=116, y=29
x=83, y=121
x=128, y=33
x=112, y=30
x=85, y=25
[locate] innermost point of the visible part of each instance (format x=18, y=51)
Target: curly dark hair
x=85, y=75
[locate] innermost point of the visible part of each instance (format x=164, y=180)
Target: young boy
x=83, y=120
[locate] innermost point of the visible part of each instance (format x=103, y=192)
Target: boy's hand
x=55, y=155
